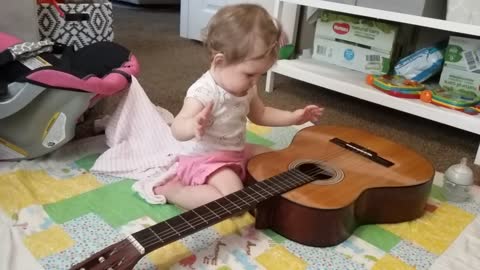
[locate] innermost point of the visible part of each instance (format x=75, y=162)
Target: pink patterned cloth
x=141, y=146
x=195, y=170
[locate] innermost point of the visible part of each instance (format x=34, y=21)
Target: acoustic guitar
x=316, y=192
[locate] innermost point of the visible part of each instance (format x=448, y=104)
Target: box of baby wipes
x=351, y=56
x=355, y=42
x=461, y=70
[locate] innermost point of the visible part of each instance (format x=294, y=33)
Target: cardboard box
x=461, y=70
x=362, y=44
x=351, y=56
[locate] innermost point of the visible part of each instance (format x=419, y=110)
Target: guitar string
x=223, y=210
x=153, y=243
x=190, y=223
x=201, y=219
x=210, y=216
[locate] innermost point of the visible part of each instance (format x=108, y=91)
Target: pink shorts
x=195, y=170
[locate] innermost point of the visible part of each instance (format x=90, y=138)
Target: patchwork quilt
x=64, y=213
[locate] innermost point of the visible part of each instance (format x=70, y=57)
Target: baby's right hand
x=203, y=120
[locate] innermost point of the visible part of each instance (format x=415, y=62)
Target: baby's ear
x=219, y=59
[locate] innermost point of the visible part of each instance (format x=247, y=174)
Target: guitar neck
x=209, y=214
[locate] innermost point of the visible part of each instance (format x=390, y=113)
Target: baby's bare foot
x=170, y=187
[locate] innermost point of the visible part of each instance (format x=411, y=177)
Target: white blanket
x=13, y=254
x=464, y=253
x=141, y=144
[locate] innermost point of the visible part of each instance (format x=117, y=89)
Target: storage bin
x=426, y=8
x=464, y=11
x=75, y=23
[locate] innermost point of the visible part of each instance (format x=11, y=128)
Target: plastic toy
x=460, y=100
x=396, y=85
x=286, y=51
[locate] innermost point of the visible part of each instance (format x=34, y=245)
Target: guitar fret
x=297, y=177
x=206, y=206
x=280, y=189
x=234, y=204
x=275, y=190
x=186, y=221
x=280, y=183
x=166, y=221
x=234, y=194
x=252, y=189
x=304, y=178
x=204, y=220
x=243, y=191
x=156, y=235
x=216, y=201
x=265, y=189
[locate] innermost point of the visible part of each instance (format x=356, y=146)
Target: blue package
x=422, y=64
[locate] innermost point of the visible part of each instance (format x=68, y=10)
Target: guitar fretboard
x=209, y=214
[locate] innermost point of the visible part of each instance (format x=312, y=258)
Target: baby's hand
x=309, y=113
x=203, y=120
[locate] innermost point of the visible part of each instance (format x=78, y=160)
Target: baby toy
x=460, y=100
x=396, y=85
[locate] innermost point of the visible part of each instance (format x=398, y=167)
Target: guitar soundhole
x=314, y=171
x=320, y=171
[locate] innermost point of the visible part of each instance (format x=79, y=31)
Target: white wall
x=19, y=17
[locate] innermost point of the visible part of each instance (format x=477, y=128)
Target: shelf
x=391, y=16
x=352, y=83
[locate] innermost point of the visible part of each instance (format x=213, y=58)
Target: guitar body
x=391, y=187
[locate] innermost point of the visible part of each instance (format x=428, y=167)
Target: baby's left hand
x=309, y=113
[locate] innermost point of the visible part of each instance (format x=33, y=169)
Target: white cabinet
x=352, y=83
x=195, y=14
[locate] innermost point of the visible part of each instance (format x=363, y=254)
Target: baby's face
x=238, y=78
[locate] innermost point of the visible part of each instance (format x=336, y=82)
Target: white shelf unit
x=352, y=82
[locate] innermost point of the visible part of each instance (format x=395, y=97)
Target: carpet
x=64, y=213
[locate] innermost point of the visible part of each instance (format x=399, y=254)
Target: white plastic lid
x=460, y=173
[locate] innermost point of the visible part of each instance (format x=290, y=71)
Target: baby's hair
x=235, y=30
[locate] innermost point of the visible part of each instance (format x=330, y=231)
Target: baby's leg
x=221, y=183
x=226, y=181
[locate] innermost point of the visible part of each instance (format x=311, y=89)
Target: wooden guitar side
x=326, y=215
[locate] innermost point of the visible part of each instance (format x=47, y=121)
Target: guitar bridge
x=362, y=151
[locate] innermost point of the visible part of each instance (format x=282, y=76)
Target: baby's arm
x=269, y=116
x=192, y=120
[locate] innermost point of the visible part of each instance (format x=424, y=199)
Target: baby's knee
x=226, y=181
x=231, y=189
